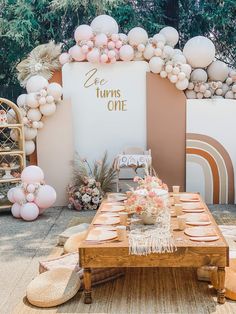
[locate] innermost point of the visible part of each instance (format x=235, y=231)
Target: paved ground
x=22, y=245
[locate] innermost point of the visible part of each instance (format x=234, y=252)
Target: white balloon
x=21, y=100
x=202, y=88
x=219, y=91
x=229, y=95
x=186, y=68
x=34, y=115
x=158, y=52
x=29, y=147
x=14, y=135
x=163, y=74
x=176, y=70
x=179, y=58
x=182, y=85
x=30, y=133
x=198, y=75
x=156, y=64
x=105, y=24
x=225, y=88
x=199, y=95
x=48, y=109
x=171, y=35
x=123, y=38
x=169, y=68
x=149, y=52
x=137, y=35
x=173, y=78
x=126, y=53
x=218, y=71
x=36, y=83
x=168, y=51
x=35, y=125
x=160, y=45
x=190, y=94
x=11, y=117
x=199, y=51
x=229, y=81
x=83, y=32
x=207, y=93
x=55, y=90
x=190, y=85
x=32, y=101
x=49, y=99
x=178, y=51
x=159, y=38
x=181, y=76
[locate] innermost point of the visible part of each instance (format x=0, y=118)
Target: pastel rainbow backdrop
x=216, y=165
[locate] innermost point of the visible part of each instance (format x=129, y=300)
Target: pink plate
x=106, y=221
x=189, y=197
x=200, y=232
x=115, y=208
x=197, y=217
x=195, y=205
x=109, y=215
x=101, y=235
x=193, y=210
x=198, y=223
x=205, y=239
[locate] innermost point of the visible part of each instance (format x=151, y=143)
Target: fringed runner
x=147, y=239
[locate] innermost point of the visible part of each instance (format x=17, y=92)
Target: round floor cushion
x=72, y=244
x=53, y=287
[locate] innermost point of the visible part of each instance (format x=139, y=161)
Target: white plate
x=198, y=223
x=106, y=221
x=189, y=197
x=193, y=210
x=101, y=235
x=116, y=208
x=194, y=205
x=109, y=215
x=205, y=239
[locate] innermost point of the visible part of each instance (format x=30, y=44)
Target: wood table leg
x=87, y=286
x=221, y=285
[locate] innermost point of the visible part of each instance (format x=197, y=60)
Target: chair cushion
x=71, y=231
x=71, y=261
x=72, y=243
x=53, y=287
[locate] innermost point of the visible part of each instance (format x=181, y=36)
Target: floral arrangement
x=90, y=185
x=145, y=199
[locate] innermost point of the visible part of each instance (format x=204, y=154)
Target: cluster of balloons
x=40, y=101
x=193, y=69
x=32, y=197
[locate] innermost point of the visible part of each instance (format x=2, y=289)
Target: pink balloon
x=19, y=195
x=90, y=44
x=104, y=58
x=111, y=45
x=30, y=197
x=100, y=40
x=83, y=32
x=93, y=55
x=64, y=58
x=10, y=195
x=77, y=53
x=126, y=53
x=42, y=210
x=115, y=37
x=118, y=44
x=15, y=210
x=30, y=188
x=111, y=54
x=85, y=48
x=46, y=196
x=29, y=211
x=32, y=174
x=113, y=60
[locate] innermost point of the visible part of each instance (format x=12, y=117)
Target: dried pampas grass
x=42, y=60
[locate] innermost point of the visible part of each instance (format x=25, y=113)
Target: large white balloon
x=31, y=100
x=159, y=38
x=55, y=90
x=11, y=117
x=156, y=64
x=29, y=211
x=83, y=32
x=137, y=35
x=36, y=83
x=126, y=53
x=30, y=133
x=105, y=24
x=198, y=75
x=21, y=100
x=199, y=51
x=32, y=174
x=171, y=35
x=34, y=115
x=179, y=58
x=149, y=52
x=218, y=71
x=48, y=109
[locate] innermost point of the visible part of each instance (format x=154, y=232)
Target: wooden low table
x=188, y=254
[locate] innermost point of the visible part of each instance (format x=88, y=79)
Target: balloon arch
x=194, y=70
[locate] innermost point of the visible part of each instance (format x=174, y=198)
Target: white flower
x=38, y=66
x=77, y=194
x=96, y=191
x=95, y=200
x=91, y=182
x=86, y=198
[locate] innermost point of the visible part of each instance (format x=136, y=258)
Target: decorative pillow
x=72, y=244
x=53, y=287
x=71, y=231
x=71, y=261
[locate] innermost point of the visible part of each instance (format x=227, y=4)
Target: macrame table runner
x=147, y=239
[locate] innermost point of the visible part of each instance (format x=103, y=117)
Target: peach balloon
x=77, y=53
x=126, y=53
x=19, y=195
x=15, y=210
x=46, y=196
x=64, y=58
x=83, y=32
x=32, y=174
x=93, y=55
x=30, y=197
x=29, y=211
x=10, y=195
x=101, y=40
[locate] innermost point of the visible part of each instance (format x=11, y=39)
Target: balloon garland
x=32, y=197
x=193, y=70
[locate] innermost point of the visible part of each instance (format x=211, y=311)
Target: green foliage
x=24, y=24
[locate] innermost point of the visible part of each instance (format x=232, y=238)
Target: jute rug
x=147, y=290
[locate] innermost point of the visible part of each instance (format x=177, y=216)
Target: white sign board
x=108, y=106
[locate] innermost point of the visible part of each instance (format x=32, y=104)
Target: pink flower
x=148, y=179
x=151, y=194
x=138, y=209
x=137, y=179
